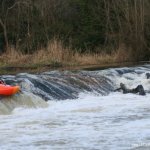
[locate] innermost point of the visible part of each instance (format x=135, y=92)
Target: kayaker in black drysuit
x=139, y=89
x=2, y=82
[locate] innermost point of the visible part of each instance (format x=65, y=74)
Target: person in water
x=2, y=82
x=148, y=75
x=139, y=89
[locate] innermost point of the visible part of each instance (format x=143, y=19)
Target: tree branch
x=1, y=22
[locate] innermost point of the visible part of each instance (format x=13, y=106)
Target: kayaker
x=2, y=82
x=139, y=89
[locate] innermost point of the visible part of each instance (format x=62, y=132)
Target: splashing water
x=91, y=120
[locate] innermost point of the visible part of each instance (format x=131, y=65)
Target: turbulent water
x=76, y=111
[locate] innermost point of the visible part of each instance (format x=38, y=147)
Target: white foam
x=91, y=122
x=116, y=121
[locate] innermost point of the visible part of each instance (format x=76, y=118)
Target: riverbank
x=11, y=70
x=57, y=57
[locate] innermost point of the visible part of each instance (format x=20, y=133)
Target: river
x=76, y=111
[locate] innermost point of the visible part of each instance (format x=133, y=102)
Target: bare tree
x=5, y=8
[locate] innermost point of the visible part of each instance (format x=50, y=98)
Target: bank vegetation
x=74, y=32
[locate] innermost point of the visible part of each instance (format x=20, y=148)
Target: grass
x=55, y=55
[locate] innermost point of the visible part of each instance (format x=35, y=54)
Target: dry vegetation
x=99, y=31
x=56, y=54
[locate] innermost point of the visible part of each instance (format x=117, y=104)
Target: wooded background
x=85, y=25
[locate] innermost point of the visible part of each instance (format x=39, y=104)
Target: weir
x=57, y=85
x=36, y=89
x=62, y=85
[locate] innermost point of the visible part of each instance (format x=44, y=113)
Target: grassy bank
x=55, y=55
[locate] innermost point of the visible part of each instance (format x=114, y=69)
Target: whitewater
x=88, y=117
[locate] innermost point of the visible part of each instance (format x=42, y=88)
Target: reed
x=55, y=52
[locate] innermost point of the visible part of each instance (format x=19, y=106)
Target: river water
x=81, y=111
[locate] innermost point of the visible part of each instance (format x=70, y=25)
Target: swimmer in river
x=139, y=89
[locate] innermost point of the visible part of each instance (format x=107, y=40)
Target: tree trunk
x=5, y=34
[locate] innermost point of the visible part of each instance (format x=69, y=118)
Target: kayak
x=8, y=90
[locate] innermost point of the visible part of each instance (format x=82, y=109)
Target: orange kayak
x=7, y=90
